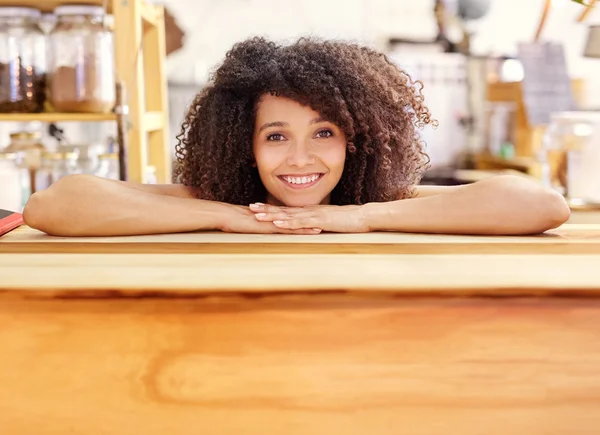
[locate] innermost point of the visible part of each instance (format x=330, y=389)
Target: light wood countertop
x=335, y=334
x=565, y=259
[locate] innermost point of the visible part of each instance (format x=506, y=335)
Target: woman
x=314, y=136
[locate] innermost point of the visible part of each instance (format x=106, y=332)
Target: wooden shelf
x=57, y=117
x=515, y=162
x=523, y=164
x=138, y=25
x=50, y=5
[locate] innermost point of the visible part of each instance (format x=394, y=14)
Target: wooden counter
x=332, y=334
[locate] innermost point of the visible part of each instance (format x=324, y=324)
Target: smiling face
x=299, y=155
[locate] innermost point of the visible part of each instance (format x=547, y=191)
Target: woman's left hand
x=333, y=218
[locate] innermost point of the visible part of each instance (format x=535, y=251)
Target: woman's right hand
x=241, y=219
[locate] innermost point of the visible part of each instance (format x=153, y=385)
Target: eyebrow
x=285, y=124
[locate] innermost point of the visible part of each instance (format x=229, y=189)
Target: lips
x=301, y=181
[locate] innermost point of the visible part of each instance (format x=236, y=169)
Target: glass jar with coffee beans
x=22, y=61
x=82, y=77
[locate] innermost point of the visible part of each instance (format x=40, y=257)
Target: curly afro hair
x=376, y=104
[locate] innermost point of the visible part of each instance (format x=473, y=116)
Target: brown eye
x=324, y=134
x=275, y=137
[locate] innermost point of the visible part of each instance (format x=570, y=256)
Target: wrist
x=212, y=215
x=375, y=215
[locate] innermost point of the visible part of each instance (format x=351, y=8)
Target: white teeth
x=301, y=180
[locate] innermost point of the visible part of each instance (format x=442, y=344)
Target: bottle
x=29, y=151
x=570, y=157
x=108, y=166
x=54, y=167
x=11, y=197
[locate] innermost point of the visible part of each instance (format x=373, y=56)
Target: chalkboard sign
x=546, y=84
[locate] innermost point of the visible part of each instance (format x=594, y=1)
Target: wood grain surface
x=292, y=365
x=213, y=333
x=57, y=274
x=568, y=239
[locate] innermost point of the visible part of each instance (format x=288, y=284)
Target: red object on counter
x=9, y=220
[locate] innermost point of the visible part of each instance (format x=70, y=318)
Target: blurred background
x=102, y=88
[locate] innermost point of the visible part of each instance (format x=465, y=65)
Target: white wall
x=213, y=26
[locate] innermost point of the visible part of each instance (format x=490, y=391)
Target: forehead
x=271, y=107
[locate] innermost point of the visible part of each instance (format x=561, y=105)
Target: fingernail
x=317, y=230
x=255, y=206
x=279, y=223
x=260, y=215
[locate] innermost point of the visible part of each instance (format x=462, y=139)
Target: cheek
x=267, y=159
x=335, y=158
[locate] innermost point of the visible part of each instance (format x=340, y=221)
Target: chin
x=301, y=202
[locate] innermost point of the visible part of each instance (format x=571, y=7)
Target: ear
x=254, y=164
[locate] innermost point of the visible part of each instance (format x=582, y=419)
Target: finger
x=265, y=208
x=301, y=231
x=259, y=207
x=270, y=217
x=269, y=228
x=297, y=222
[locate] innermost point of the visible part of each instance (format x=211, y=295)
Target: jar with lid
x=11, y=180
x=87, y=155
x=108, y=166
x=81, y=74
x=29, y=149
x=54, y=167
x=22, y=61
x=570, y=156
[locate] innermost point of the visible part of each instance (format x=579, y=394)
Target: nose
x=300, y=154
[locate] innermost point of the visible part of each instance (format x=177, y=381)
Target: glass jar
x=82, y=77
x=29, y=149
x=87, y=159
x=22, y=61
x=151, y=175
x=500, y=129
x=108, y=166
x=11, y=194
x=570, y=156
x=25, y=178
x=54, y=167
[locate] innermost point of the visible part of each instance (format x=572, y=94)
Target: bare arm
x=83, y=205
x=500, y=205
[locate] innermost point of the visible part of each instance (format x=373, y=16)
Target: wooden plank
x=129, y=65
x=202, y=274
x=149, y=14
x=50, y=5
x=587, y=11
x=153, y=121
x=566, y=234
x=57, y=117
x=300, y=248
x=569, y=239
x=156, y=97
x=300, y=366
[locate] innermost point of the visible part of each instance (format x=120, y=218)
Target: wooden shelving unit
x=139, y=35
x=528, y=137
